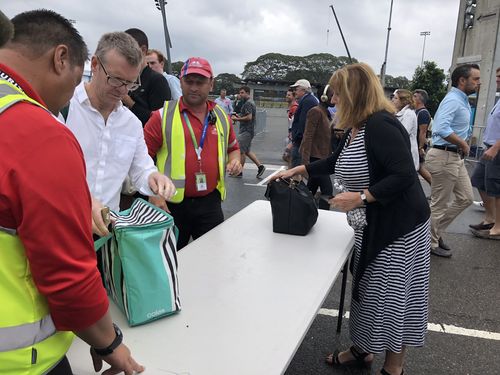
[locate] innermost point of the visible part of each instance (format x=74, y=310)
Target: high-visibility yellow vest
x=29, y=342
x=171, y=159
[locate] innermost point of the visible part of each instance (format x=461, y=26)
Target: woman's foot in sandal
x=350, y=357
x=384, y=372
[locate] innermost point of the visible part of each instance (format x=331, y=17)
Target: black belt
x=446, y=148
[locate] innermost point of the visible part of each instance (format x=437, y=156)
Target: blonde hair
x=360, y=95
x=405, y=98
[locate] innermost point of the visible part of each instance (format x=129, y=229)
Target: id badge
x=201, y=181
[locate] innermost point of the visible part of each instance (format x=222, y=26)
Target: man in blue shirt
x=303, y=93
x=445, y=160
x=486, y=176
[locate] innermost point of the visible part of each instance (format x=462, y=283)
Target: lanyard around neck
x=197, y=148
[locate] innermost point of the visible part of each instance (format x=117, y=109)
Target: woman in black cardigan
x=387, y=208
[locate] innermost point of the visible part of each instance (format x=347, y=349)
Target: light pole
x=160, y=5
x=342, y=35
x=424, y=34
x=384, y=64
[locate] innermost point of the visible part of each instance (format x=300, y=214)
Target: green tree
x=176, y=67
x=431, y=79
x=226, y=81
x=400, y=82
x=317, y=68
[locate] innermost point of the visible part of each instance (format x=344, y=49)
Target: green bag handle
x=101, y=241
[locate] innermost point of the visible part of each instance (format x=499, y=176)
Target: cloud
x=231, y=34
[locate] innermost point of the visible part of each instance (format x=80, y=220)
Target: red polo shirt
x=209, y=154
x=44, y=196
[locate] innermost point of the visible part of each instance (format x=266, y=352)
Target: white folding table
x=248, y=298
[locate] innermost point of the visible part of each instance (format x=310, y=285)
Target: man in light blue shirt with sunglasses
x=445, y=160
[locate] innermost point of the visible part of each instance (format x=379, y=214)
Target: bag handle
x=292, y=184
x=101, y=241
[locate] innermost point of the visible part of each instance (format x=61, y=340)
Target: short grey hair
x=423, y=95
x=123, y=43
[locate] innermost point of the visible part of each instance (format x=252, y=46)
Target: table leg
x=342, y=295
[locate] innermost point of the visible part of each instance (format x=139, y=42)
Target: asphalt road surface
x=464, y=315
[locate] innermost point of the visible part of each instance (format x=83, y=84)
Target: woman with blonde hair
x=385, y=205
x=403, y=102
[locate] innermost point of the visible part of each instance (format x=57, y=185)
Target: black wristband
x=111, y=348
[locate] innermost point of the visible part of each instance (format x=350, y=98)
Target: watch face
x=117, y=330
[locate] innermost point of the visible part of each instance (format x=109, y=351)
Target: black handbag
x=293, y=206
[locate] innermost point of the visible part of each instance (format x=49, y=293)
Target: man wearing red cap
x=194, y=143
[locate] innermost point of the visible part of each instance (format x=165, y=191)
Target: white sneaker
x=479, y=204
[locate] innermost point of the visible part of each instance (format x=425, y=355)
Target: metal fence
x=260, y=121
x=476, y=144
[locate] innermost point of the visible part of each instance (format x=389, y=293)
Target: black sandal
x=359, y=359
x=383, y=372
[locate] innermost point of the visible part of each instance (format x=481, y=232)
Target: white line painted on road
x=440, y=328
x=269, y=167
x=263, y=183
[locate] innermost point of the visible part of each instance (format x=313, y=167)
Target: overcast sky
x=232, y=33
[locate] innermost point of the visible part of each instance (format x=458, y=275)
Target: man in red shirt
x=45, y=207
x=198, y=149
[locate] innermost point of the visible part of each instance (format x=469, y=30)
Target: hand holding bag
x=293, y=207
x=140, y=263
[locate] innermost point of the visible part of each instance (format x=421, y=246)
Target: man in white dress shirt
x=110, y=135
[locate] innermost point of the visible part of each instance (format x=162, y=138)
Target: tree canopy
x=431, y=79
x=316, y=68
x=400, y=82
x=176, y=67
x=225, y=81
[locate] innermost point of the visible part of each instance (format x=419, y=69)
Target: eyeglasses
x=117, y=82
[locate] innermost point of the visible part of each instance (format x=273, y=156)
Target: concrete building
x=477, y=41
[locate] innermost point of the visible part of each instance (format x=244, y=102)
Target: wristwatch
x=111, y=348
x=363, y=197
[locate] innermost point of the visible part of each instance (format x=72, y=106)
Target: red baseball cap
x=197, y=65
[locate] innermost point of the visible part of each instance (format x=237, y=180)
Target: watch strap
x=111, y=347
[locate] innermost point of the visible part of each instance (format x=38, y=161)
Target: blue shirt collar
x=460, y=93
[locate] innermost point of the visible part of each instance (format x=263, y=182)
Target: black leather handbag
x=293, y=206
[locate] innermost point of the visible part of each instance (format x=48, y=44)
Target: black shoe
x=482, y=226
x=442, y=244
x=384, y=372
x=237, y=175
x=440, y=252
x=260, y=170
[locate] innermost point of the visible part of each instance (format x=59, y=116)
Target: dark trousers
x=296, y=157
x=322, y=181
x=62, y=368
x=196, y=216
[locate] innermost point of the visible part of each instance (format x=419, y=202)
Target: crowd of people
x=134, y=129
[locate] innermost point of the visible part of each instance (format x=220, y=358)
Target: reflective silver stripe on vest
x=25, y=335
x=221, y=114
x=169, y=123
x=6, y=90
x=10, y=231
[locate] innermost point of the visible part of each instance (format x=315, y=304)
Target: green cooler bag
x=139, y=261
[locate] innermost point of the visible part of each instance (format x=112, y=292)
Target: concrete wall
x=481, y=45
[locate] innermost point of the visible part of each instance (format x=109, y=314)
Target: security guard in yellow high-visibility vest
x=49, y=285
x=194, y=144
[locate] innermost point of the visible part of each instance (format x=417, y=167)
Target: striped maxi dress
x=392, y=309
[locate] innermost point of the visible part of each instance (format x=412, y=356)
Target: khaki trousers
x=448, y=176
